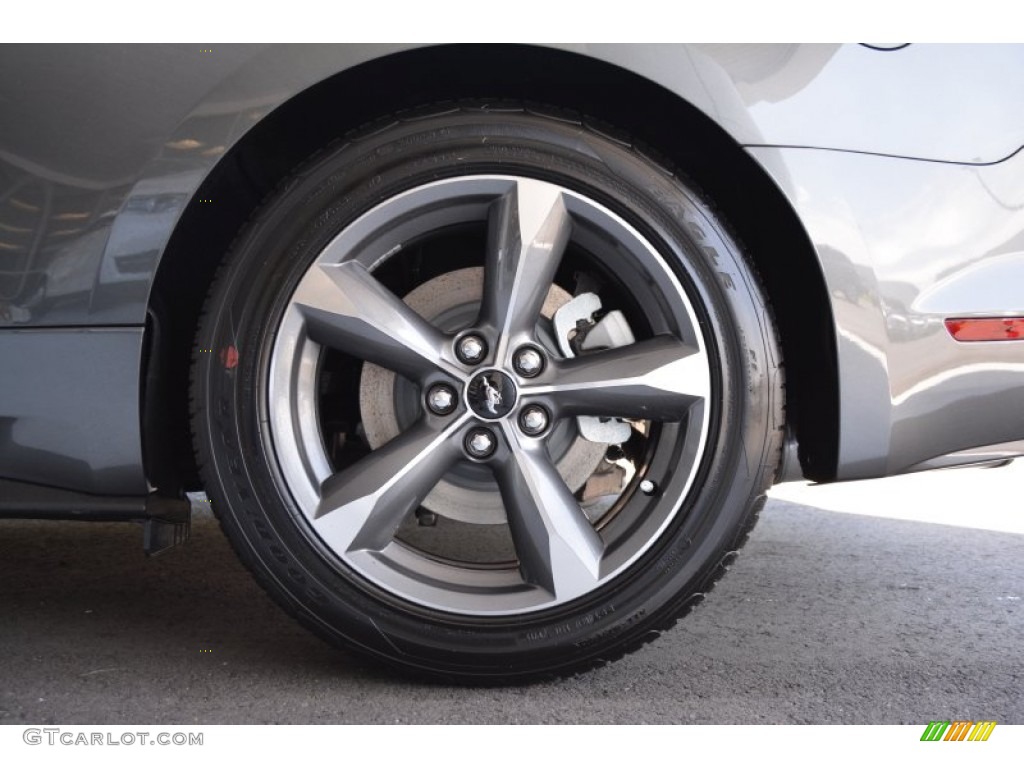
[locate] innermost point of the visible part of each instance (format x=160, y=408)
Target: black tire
x=707, y=490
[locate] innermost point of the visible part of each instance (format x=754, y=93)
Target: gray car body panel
x=905, y=245
x=69, y=408
x=102, y=147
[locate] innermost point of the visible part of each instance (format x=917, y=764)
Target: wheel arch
x=652, y=115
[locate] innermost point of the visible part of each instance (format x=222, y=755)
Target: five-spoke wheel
x=492, y=393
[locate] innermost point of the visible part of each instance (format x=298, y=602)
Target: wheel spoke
x=346, y=308
x=362, y=506
x=660, y=379
x=528, y=231
x=557, y=546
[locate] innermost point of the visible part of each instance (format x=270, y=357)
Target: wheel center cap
x=491, y=394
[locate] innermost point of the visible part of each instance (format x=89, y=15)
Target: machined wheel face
x=496, y=397
x=516, y=406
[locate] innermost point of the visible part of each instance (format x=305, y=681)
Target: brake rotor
x=388, y=404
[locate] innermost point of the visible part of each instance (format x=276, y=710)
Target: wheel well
x=650, y=114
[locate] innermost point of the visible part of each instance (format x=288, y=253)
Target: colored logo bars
x=958, y=730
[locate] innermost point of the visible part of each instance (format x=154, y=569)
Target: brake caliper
x=578, y=330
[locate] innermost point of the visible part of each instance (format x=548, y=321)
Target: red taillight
x=986, y=328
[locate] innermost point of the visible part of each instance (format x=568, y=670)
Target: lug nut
x=528, y=362
x=480, y=443
x=441, y=399
x=471, y=349
x=533, y=420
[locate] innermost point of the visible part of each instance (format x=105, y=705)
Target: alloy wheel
x=489, y=400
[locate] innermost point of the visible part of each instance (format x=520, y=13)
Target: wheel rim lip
x=301, y=462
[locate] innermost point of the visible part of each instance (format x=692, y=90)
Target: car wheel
x=492, y=396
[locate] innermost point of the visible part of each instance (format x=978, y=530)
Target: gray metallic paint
x=69, y=400
x=150, y=122
x=904, y=245
x=102, y=147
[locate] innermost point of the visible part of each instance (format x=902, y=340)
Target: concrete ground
x=837, y=611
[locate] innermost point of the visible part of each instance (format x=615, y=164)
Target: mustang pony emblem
x=492, y=396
